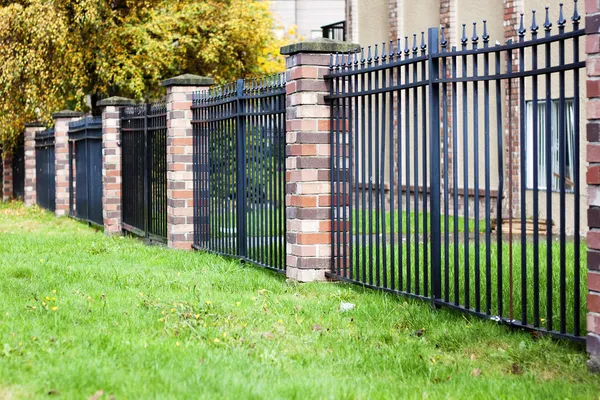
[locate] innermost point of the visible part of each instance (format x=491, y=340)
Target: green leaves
x=55, y=52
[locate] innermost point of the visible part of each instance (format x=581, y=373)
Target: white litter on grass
x=346, y=306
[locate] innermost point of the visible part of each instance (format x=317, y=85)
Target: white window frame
x=570, y=142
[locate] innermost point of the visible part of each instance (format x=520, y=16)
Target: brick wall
x=29, y=143
x=61, y=158
x=308, y=189
x=7, y=176
x=180, y=184
x=111, y=162
x=592, y=27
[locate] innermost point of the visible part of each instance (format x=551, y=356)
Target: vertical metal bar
x=376, y=180
x=382, y=168
x=434, y=129
x=523, y=174
x=407, y=161
x=465, y=157
x=445, y=139
x=486, y=145
x=562, y=122
x=363, y=135
x=370, y=165
x=241, y=168
x=455, y=175
x=476, y=171
x=344, y=215
x=500, y=155
x=424, y=152
x=535, y=133
x=549, y=138
x=147, y=164
x=399, y=164
x=71, y=145
x=415, y=92
x=336, y=155
x=576, y=182
x=392, y=273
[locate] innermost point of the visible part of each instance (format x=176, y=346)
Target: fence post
x=61, y=158
x=308, y=164
x=111, y=162
x=241, y=169
x=31, y=128
x=434, y=170
x=592, y=45
x=180, y=182
x=7, y=176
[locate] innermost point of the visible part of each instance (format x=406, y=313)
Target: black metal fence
x=239, y=171
x=45, y=175
x=421, y=185
x=18, y=169
x=85, y=170
x=335, y=31
x=144, y=168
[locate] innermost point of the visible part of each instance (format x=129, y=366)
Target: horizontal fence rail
x=239, y=171
x=85, y=169
x=45, y=175
x=144, y=163
x=426, y=204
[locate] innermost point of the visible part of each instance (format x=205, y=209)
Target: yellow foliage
x=55, y=52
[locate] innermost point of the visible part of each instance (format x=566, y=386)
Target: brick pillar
x=61, y=158
x=512, y=156
x=111, y=162
x=7, y=176
x=592, y=46
x=308, y=188
x=29, y=143
x=180, y=183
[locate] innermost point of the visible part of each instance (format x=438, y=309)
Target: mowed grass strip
x=80, y=312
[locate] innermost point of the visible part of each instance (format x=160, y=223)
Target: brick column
x=61, y=158
x=29, y=143
x=180, y=183
x=308, y=188
x=592, y=46
x=7, y=176
x=111, y=162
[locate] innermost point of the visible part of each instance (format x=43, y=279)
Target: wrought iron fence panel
x=18, y=170
x=425, y=202
x=144, y=155
x=239, y=171
x=45, y=170
x=85, y=166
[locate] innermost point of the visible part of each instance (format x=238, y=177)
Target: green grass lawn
x=408, y=222
x=80, y=312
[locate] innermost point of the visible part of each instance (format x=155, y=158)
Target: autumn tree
x=55, y=52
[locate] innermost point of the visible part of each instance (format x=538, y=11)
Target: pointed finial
x=391, y=55
x=415, y=47
x=486, y=36
x=376, y=54
x=349, y=60
x=398, y=48
x=443, y=40
x=337, y=60
x=369, y=58
x=561, y=18
x=383, y=53
x=356, y=60
x=576, y=17
x=406, y=48
x=547, y=23
x=423, y=45
x=521, y=30
x=475, y=38
x=330, y=61
x=362, y=57
x=534, y=25
x=464, y=38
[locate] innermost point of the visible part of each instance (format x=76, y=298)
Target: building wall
x=307, y=16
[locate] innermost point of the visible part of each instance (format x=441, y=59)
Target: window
x=554, y=164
